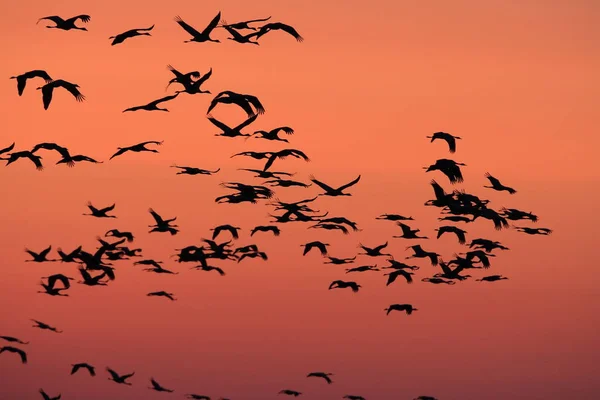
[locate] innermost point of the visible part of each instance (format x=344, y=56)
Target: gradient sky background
x=518, y=81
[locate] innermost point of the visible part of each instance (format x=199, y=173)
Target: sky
x=517, y=81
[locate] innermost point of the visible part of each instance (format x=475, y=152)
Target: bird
x=162, y=225
x=363, y=268
x=394, y=217
x=11, y=339
x=22, y=79
x=496, y=185
x=157, y=387
x=420, y=253
x=408, y=308
x=100, y=212
x=437, y=281
x=162, y=294
x=193, y=87
x=290, y=392
x=279, y=26
x=35, y=159
x=316, y=244
x=232, y=132
x=340, y=261
x=137, y=148
x=353, y=397
x=76, y=367
x=329, y=191
x=203, y=36
x=408, y=232
x=245, y=101
x=43, y=326
x=460, y=234
x=120, y=38
x=238, y=37
x=41, y=256
x=243, y=24
x=46, y=397
x=272, y=134
x=153, y=105
x=15, y=350
x=375, y=251
x=67, y=24
x=449, y=168
x=396, y=273
x=197, y=397
x=122, y=379
x=268, y=228
x=230, y=228
x=49, y=87
x=209, y=268
x=487, y=245
x=338, y=284
x=182, y=79
x=534, y=231
x=194, y=170
x=492, y=278
x=425, y=398
x=283, y=154
x=118, y=234
x=331, y=227
x=450, y=139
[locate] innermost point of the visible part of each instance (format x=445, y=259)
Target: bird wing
x=187, y=27
x=83, y=17
x=219, y=125
x=150, y=142
x=45, y=252
x=236, y=35
x=212, y=25
x=7, y=149
x=354, y=182
x=285, y=28
x=246, y=122
x=163, y=99
x=204, y=77
x=54, y=18
x=71, y=88
x=107, y=209
x=44, y=395
x=321, y=184
x=285, y=129
x=145, y=29
x=156, y=217
x=493, y=181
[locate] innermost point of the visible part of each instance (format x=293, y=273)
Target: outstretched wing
x=218, y=124
x=247, y=122
x=322, y=185
x=156, y=217
x=354, y=182
x=163, y=99
x=187, y=27
x=212, y=25
x=493, y=181
x=54, y=18
x=71, y=88
x=83, y=17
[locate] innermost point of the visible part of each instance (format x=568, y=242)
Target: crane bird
x=137, y=148
x=67, y=24
x=450, y=168
x=122, y=379
x=450, y=139
x=322, y=247
x=203, y=36
x=496, y=185
x=11, y=349
x=153, y=105
x=120, y=38
x=408, y=308
x=339, y=284
x=329, y=191
x=22, y=79
x=100, y=212
x=279, y=26
x=48, y=89
x=76, y=367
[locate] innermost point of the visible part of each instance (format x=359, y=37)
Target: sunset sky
x=516, y=80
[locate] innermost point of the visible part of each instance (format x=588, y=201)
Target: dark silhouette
x=193, y=87
x=100, y=212
x=122, y=379
x=408, y=232
x=243, y=24
x=353, y=397
x=46, y=397
x=375, y=251
x=66, y=24
x=496, y=185
x=420, y=253
x=162, y=294
x=344, y=284
x=272, y=134
x=290, y=392
x=279, y=26
x=319, y=245
x=41, y=256
x=534, y=231
x=203, y=36
x=183, y=79
x=515, y=215
x=22, y=79
x=120, y=38
x=245, y=101
x=449, y=168
x=329, y=191
x=492, y=278
x=283, y=154
x=394, y=217
x=136, y=148
x=153, y=105
x=197, y=397
x=396, y=273
x=408, y=308
x=76, y=367
x=460, y=234
x=340, y=261
x=118, y=234
x=238, y=37
x=11, y=339
x=157, y=387
x=194, y=171
x=324, y=375
x=48, y=89
x=232, y=132
x=162, y=225
x=438, y=281
x=43, y=326
x=487, y=245
x=362, y=268
x=12, y=157
x=15, y=350
x=450, y=139
x=232, y=229
x=268, y=228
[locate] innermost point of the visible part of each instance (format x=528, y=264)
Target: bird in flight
x=534, y=231
x=203, y=36
x=46, y=397
x=11, y=339
x=243, y=24
x=120, y=38
x=244, y=101
x=290, y=392
x=48, y=90
x=450, y=139
x=408, y=308
x=449, y=168
x=338, y=284
x=22, y=79
x=162, y=294
x=43, y=326
x=232, y=132
x=137, y=148
x=76, y=367
x=496, y=185
x=278, y=26
x=492, y=278
x=67, y=24
x=329, y=191
x=316, y=244
x=35, y=159
x=157, y=387
x=11, y=349
x=153, y=105
x=194, y=171
x=324, y=375
x=100, y=212
x=122, y=379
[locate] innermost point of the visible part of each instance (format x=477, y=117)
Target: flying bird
x=449, y=168
x=318, y=245
x=162, y=294
x=279, y=26
x=76, y=367
x=243, y=24
x=194, y=170
x=157, y=387
x=394, y=217
x=290, y=392
x=396, y=273
x=338, y=284
x=450, y=139
x=534, y=231
x=120, y=38
x=460, y=234
x=118, y=234
x=232, y=132
x=15, y=350
x=203, y=36
x=245, y=101
x=100, y=212
x=48, y=90
x=43, y=326
x=492, y=278
x=408, y=308
x=46, y=397
x=153, y=105
x=11, y=339
x=323, y=375
x=267, y=228
x=329, y=191
x=137, y=148
x=39, y=257
x=35, y=159
x=122, y=379
x=67, y=24
x=496, y=185
x=273, y=134
x=22, y=79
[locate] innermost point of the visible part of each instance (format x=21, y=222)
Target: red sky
x=516, y=80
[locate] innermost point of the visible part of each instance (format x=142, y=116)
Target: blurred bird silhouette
x=121, y=37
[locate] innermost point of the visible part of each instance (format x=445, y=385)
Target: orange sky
x=516, y=80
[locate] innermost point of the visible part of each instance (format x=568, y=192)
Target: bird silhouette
x=197, y=397
x=515, y=215
x=157, y=387
x=48, y=90
x=153, y=105
x=238, y=37
x=460, y=234
x=362, y=268
x=194, y=87
x=203, y=36
x=316, y=244
x=67, y=24
x=122, y=379
x=267, y=228
x=290, y=392
x=41, y=256
x=243, y=24
x=278, y=26
x=136, y=148
x=394, y=217
x=100, y=212
x=487, y=245
x=496, y=185
x=353, y=397
x=329, y=191
x=120, y=38
x=449, y=168
x=209, y=268
x=408, y=232
x=181, y=78
x=408, y=308
x=35, y=159
x=425, y=398
x=245, y=101
x=534, y=231
x=46, y=397
x=437, y=281
x=420, y=253
x=12, y=339
x=283, y=154
x=118, y=234
x=450, y=139
x=323, y=375
x=194, y=170
x=162, y=225
x=43, y=326
x=492, y=278
x=396, y=273
x=273, y=134
x=230, y=228
x=76, y=367
x=375, y=251
x=162, y=294
x=232, y=132
x=11, y=349
x=338, y=284
x=22, y=79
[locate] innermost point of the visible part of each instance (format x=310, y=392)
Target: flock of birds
x=96, y=267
